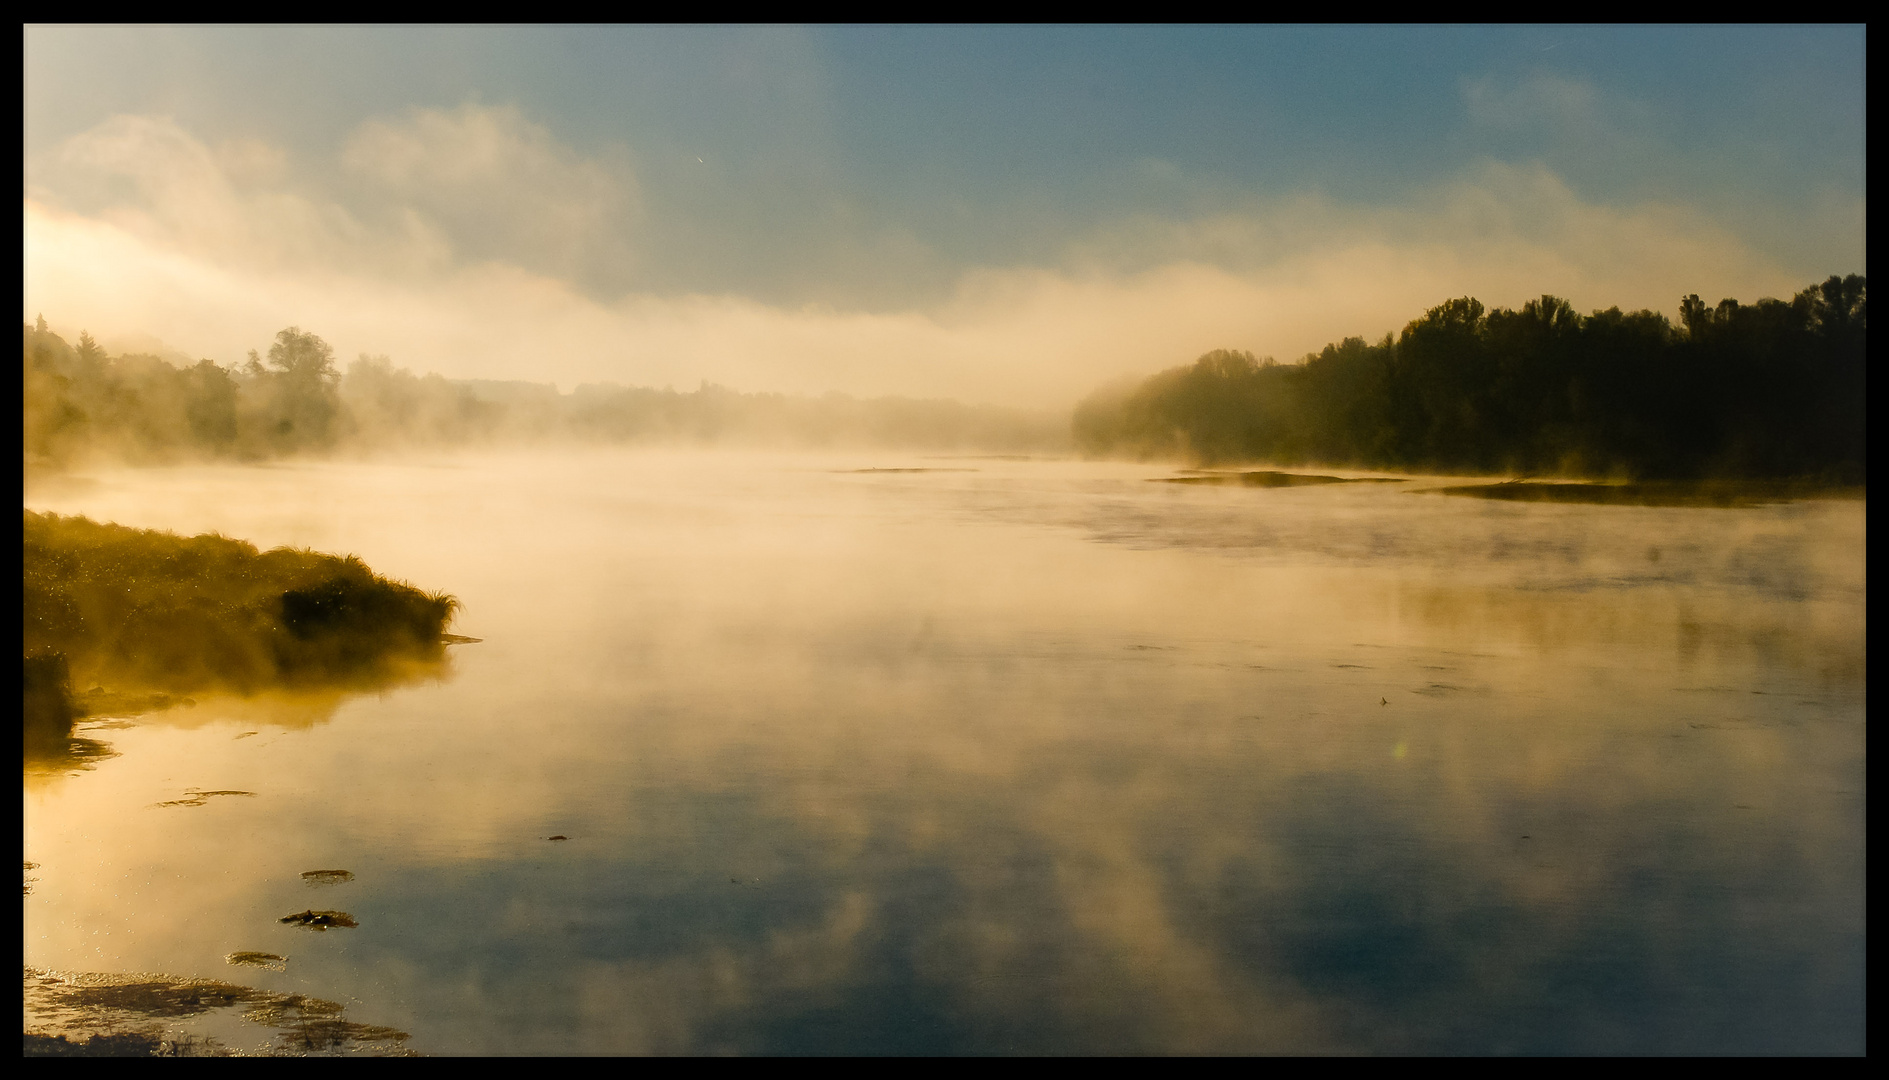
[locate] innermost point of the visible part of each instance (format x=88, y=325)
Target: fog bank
x=139, y=227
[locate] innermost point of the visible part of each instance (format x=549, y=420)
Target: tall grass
x=141, y=610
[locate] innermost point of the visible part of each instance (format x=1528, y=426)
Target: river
x=882, y=753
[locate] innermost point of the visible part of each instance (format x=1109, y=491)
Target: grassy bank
x=136, y=611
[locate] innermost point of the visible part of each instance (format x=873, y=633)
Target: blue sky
x=999, y=213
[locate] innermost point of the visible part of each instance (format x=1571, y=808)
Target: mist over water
x=985, y=755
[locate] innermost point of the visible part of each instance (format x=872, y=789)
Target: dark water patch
x=1415, y=939
x=1269, y=479
x=839, y=946
x=1434, y=943
x=257, y=959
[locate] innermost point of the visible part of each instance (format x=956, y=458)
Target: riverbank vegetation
x=135, y=611
x=1765, y=390
x=83, y=405
x=94, y=1014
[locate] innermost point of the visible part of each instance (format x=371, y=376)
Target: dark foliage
x=50, y=710
x=83, y=403
x=1772, y=389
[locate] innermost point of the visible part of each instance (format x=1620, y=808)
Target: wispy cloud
x=499, y=185
x=1538, y=99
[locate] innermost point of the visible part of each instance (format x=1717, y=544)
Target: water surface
x=893, y=754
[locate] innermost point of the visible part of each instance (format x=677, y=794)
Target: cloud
x=501, y=185
x=238, y=205
x=138, y=227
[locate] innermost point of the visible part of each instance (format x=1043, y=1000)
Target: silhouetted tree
x=1774, y=388
x=297, y=392
x=91, y=358
x=211, y=405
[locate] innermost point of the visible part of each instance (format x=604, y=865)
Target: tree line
x=82, y=404
x=1771, y=389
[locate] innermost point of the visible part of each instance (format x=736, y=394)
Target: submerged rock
x=326, y=877
x=198, y=798
x=320, y=920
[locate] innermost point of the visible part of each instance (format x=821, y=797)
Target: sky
x=1012, y=215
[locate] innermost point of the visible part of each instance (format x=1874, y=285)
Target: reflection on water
x=832, y=755
x=103, y=712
